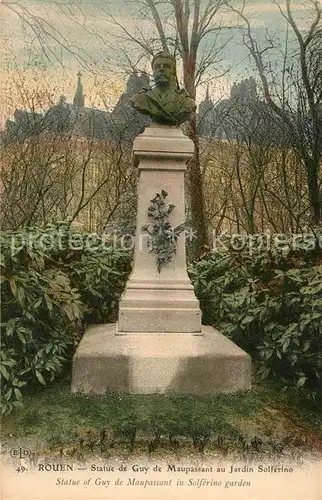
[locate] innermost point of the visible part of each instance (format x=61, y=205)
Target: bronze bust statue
x=166, y=103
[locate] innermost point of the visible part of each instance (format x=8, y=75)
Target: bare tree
x=53, y=43
x=58, y=177
x=295, y=97
x=49, y=173
x=189, y=29
x=253, y=188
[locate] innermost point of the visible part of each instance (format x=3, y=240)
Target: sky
x=40, y=64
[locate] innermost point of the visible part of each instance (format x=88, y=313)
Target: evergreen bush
x=269, y=302
x=53, y=281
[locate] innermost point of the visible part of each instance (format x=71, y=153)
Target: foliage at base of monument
x=163, y=237
x=53, y=280
x=270, y=304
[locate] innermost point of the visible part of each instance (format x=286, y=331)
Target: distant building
x=122, y=123
x=242, y=117
x=206, y=116
x=79, y=99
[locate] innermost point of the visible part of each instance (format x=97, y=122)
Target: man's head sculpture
x=166, y=103
x=164, y=70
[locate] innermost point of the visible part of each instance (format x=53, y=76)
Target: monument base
x=151, y=363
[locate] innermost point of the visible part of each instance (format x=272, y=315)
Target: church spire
x=79, y=99
x=207, y=93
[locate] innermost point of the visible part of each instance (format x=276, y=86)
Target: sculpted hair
x=165, y=55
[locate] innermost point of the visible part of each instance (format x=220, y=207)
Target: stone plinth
x=140, y=363
x=159, y=345
x=152, y=301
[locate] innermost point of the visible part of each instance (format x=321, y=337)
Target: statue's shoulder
x=141, y=101
x=140, y=94
x=144, y=90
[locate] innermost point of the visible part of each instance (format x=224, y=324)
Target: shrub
x=49, y=289
x=100, y=277
x=270, y=304
x=54, y=280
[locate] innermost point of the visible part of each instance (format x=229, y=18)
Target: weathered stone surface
x=140, y=363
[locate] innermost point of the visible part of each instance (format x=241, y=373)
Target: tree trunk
x=314, y=192
x=200, y=241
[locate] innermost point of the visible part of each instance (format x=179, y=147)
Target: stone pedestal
x=165, y=363
x=159, y=344
x=160, y=302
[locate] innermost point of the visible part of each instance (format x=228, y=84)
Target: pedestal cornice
x=159, y=142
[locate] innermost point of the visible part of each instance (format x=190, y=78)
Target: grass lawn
x=265, y=422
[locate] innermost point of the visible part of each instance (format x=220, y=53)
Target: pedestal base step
x=159, y=363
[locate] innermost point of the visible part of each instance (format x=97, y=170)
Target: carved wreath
x=163, y=237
